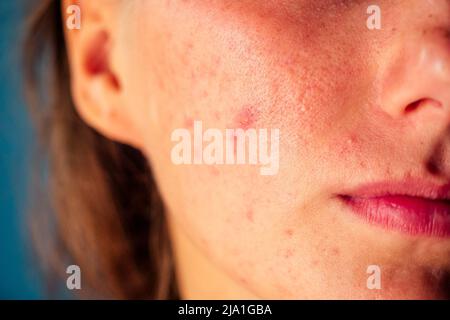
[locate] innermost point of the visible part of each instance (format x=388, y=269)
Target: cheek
x=251, y=73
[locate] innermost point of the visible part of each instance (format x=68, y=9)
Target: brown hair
x=106, y=213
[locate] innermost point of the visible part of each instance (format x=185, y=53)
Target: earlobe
x=96, y=87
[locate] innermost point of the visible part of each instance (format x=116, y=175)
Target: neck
x=197, y=276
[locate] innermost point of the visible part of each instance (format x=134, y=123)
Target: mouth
x=411, y=207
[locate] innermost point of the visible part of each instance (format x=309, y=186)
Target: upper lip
x=409, y=188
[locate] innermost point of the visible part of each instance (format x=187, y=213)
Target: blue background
x=19, y=277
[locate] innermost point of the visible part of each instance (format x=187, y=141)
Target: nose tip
x=418, y=78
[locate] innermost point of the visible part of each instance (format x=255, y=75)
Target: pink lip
x=409, y=207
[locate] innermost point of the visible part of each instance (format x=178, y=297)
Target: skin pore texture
x=339, y=93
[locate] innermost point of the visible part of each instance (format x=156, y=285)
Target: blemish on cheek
x=243, y=280
x=352, y=139
x=288, y=253
x=214, y=171
x=289, y=232
x=188, y=122
x=246, y=117
x=249, y=215
x=204, y=94
x=335, y=251
x=348, y=145
x=351, y=142
x=363, y=164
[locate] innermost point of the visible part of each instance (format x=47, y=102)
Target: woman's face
x=363, y=175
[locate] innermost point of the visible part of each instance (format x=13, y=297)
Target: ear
x=95, y=78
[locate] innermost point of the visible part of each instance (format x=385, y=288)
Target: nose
x=417, y=80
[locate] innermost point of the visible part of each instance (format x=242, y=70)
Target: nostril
x=412, y=106
x=422, y=102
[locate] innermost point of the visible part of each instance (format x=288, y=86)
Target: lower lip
x=406, y=214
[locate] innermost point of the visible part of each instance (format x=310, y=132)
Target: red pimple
x=289, y=232
x=246, y=117
x=249, y=215
x=214, y=171
x=188, y=122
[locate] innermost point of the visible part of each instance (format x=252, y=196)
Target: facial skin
x=340, y=95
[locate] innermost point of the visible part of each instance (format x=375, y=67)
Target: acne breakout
x=231, y=147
